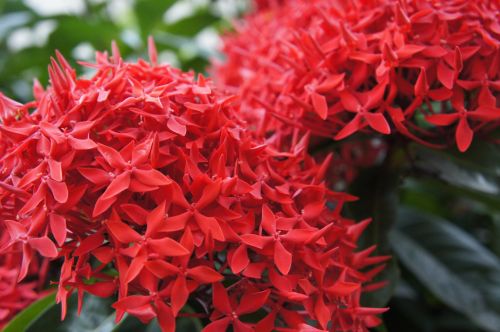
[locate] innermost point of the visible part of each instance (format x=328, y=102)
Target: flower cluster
x=15, y=296
x=145, y=183
x=426, y=69
x=266, y=4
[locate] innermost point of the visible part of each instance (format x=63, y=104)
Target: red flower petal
x=168, y=247
x=165, y=316
x=239, y=260
x=123, y=232
x=378, y=122
x=95, y=175
x=59, y=190
x=113, y=157
x=320, y=105
x=442, y=119
x=161, y=269
x=218, y=325
x=210, y=193
x=81, y=144
x=282, y=258
x=180, y=294
x=118, y=185
x=349, y=129
x=464, y=134
x=221, y=299
x=251, y=302
x=322, y=312
x=268, y=221
x=44, y=246
x=55, y=170
x=89, y=244
x=152, y=177
x=58, y=228
x=204, y=274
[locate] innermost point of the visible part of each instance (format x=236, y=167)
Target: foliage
x=95, y=26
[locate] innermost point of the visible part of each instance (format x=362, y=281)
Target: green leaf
x=97, y=316
x=31, y=313
x=150, y=14
x=476, y=170
x=453, y=265
x=73, y=30
x=193, y=24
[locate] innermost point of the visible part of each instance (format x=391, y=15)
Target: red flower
x=148, y=186
x=250, y=301
x=314, y=64
x=14, y=295
x=464, y=133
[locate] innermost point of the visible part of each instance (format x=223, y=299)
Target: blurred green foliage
x=185, y=33
x=438, y=214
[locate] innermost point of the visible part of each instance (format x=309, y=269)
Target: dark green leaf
x=193, y=24
x=72, y=30
x=150, y=13
x=451, y=264
x=97, y=316
x=476, y=170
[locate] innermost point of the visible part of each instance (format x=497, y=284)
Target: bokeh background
x=439, y=215
x=186, y=33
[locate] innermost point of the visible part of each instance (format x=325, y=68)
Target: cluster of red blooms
x=426, y=69
x=147, y=185
x=15, y=296
x=265, y=4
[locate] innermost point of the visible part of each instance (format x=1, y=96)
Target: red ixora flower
x=145, y=183
x=14, y=295
x=338, y=67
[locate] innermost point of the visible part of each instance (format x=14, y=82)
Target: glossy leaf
x=451, y=264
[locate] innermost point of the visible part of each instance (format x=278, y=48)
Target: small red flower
x=249, y=302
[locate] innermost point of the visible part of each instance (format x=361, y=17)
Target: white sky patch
x=57, y=7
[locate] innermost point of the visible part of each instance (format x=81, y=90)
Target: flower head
x=15, y=296
x=145, y=183
x=428, y=70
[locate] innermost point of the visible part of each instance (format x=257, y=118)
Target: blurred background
x=436, y=212
x=186, y=33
